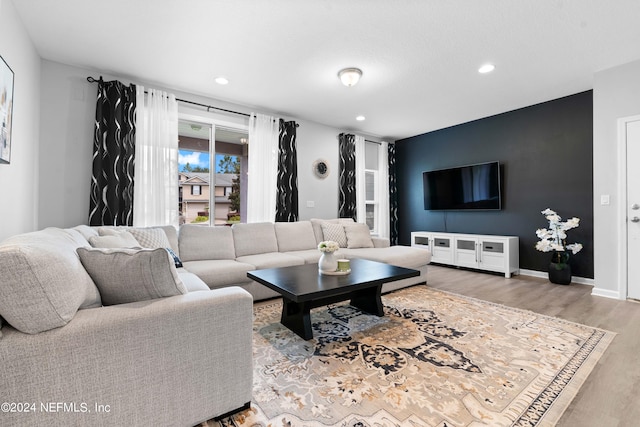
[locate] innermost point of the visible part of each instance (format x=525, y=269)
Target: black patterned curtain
x=347, y=207
x=393, y=196
x=113, y=155
x=287, y=193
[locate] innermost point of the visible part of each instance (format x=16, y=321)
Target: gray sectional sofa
x=80, y=346
x=222, y=256
x=68, y=359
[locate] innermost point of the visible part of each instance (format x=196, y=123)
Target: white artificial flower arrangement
x=328, y=246
x=553, y=239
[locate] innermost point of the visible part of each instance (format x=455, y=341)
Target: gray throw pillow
x=358, y=236
x=129, y=275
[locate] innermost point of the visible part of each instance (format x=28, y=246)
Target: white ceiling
x=419, y=57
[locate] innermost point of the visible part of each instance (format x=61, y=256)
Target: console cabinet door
x=492, y=256
x=467, y=252
x=442, y=249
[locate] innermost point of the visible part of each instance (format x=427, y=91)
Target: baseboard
x=599, y=292
x=545, y=275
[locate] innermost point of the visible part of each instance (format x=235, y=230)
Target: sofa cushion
x=172, y=237
x=358, y=236
x=254, y=238
x=122, y=239
x=130, y=275
x=43, y=280
x=271, y=260
x=220, y=272
x=295, y=236
x=86, y=231
x=199, y=242
x=335, y=232
x=191, y=281
x=310, y=256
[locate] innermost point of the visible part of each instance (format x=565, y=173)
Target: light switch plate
x=604, y=199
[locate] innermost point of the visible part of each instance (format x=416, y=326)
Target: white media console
x=491, y=253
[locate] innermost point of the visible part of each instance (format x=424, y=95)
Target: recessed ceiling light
x=486, y=68
x=221, y=80
x=360, y=118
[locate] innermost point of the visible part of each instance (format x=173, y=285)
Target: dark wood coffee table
x=303, y=288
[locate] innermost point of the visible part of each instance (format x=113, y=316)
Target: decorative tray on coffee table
x=336, y=273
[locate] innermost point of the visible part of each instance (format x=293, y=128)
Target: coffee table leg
x=368, y=300
x=297, y=318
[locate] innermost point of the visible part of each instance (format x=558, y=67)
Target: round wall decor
x=321, y=168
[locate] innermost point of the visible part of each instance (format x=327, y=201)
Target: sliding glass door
x=212, y=169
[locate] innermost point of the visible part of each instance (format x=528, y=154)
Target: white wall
x=317, y=142
x=19, y=179
x=68, y=110
x=67, y=114
x=616, y=94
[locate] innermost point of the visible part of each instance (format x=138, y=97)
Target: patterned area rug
x=434, y=359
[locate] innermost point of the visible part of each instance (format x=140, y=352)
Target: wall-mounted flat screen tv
x=472, y=187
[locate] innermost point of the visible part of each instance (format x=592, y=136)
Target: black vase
x=559, y=269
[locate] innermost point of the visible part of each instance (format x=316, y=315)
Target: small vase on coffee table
x=328, y=262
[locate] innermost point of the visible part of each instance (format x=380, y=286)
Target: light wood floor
x=611, y=395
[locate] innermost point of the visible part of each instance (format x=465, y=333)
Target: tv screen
x=473, y=187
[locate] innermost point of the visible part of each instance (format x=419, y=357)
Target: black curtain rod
x=208, y=107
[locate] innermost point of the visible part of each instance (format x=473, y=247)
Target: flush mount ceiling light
x=221, y=80
x=486, y=68
x=350, y=76
x=361, y=118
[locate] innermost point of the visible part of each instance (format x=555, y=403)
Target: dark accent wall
x=546, y=153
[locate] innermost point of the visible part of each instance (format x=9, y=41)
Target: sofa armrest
x=380, y=242
x=170, y=361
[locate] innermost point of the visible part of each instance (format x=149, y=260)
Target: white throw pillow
x=334, y=232
x=151, y=237
x=129, y=275
x=122, y=239
x=358, y=236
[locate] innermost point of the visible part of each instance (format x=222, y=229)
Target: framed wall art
x=6, y=110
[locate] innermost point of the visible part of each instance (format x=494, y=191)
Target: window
x=371, y=186
x=210, y=162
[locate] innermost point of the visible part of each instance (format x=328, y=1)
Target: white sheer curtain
x=155, y=191
x=263, y=168
x=361, y=188
x=383, y=190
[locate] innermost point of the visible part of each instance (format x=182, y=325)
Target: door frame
x=214, y=120
x=623, y=252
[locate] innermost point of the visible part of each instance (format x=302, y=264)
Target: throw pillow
x=122, y=239
x=173, y=255
x=358, y=236
x=335, y=232
x=129, y=275
x=151, y=237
